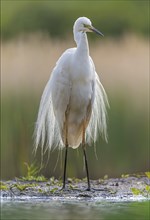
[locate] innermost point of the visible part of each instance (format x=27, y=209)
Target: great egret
x=73, y=105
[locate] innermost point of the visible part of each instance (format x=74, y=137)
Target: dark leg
x=66, y=146
x=85, y=158
x=65, y=166
x=87, y=171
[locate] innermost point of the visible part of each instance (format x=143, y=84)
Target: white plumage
x=73, y=105
x=74, y=86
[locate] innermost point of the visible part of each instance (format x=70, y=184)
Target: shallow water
x=70, y=210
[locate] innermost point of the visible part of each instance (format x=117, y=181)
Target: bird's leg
x=85, y=158
x=66, y=146
x=65, y=166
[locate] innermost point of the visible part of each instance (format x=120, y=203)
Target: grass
x=23, y=187
x=33, y=173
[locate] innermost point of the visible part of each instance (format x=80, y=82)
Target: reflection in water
x=51, y=209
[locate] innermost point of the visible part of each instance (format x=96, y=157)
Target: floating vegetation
x=53, y=190
x=124, y=175
x=22, y=187
x=147, y=174
x=138, y=175
x=136, y=191
x=145, y=191
x=3, y=186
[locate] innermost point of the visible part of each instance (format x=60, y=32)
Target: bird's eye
x=86, y=25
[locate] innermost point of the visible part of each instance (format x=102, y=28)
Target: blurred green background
x=56, y=17
x=34, y=34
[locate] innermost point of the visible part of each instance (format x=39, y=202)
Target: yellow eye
x=86, y=25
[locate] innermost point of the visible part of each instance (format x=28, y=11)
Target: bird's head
x=84, y=24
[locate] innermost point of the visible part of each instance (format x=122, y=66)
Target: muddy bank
x=128, y=188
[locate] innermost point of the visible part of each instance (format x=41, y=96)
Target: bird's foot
x=64, y=189
x=88, y=189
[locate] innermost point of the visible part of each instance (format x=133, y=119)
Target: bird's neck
x=82, y=44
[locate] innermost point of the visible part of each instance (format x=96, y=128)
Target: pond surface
x=70, y=210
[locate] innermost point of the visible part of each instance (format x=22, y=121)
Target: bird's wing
x=97, y=122
x=90, y=105
x=61, y=88
x=54, y=101
x=61, y=92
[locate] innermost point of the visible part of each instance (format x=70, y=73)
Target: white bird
x=73, y=105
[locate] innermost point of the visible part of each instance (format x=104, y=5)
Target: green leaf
x=3, y=186
x=106, y=177
x=147, y=187
x=22, y=187
x=125, y=175
x=53, y=190
x=135, y=191
x=147, y=174
x=71, y=187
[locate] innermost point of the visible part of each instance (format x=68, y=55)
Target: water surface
x=78, y=209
